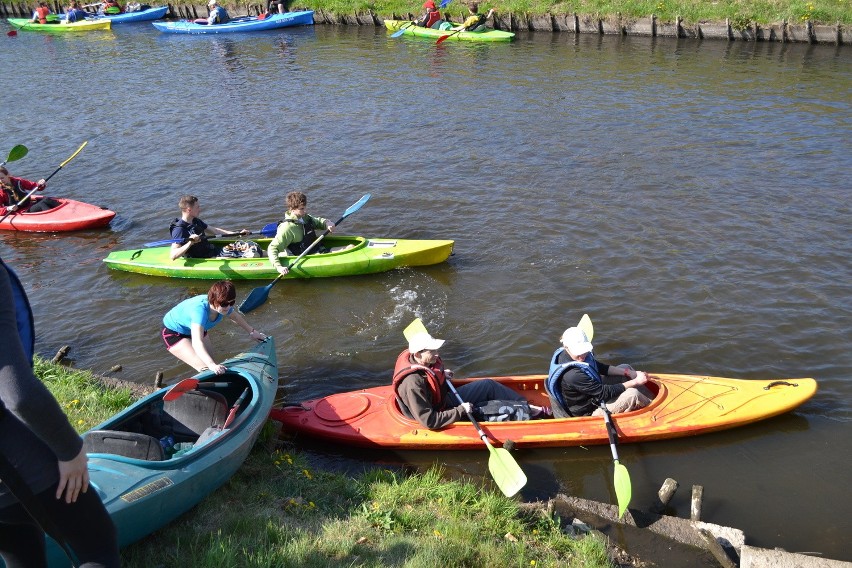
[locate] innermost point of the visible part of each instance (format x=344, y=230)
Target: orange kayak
x=683, y=405
x=69, y=215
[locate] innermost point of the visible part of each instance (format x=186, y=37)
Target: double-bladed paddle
x=507, y=474
x=259, y=295
x=267, y=231
x=445, y=37
x=186, y=385
x=16, y=153
x=80, y=149
x=621, y=479
x=401, y=30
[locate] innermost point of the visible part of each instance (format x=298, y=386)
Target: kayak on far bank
x=129, y=17
x=239, y=24
x=366, y=256
x=27, y=25
x=488, y=35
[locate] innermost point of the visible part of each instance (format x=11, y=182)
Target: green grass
x=692, y=11
x=279, y=512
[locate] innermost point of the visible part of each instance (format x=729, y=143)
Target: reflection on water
x=688, y=195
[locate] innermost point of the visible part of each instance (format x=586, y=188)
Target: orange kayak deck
x=684, y=405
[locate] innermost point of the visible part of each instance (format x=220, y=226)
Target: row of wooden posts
x=805, y=32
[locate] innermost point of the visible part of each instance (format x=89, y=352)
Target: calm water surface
x=692, y=197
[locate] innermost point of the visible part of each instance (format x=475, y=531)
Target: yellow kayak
x=27, y=25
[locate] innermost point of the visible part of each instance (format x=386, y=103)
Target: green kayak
x=365, y=256
x=488, y=35
x=56, y=26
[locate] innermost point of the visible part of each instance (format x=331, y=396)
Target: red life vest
x=434, y=375
x=42, y=12
x=431, y=18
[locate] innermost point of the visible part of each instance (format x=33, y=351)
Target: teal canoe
x=487, y=35
x=365, y=256
x=142, y=487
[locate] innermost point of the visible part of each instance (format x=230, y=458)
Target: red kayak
x=69, y=215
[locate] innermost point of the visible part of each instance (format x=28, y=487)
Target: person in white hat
x=420, y=383
x=576, y=381
x=218, y=15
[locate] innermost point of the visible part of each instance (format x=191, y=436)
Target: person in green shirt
x=296, y=232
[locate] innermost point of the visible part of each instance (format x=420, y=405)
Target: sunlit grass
x=692, y=11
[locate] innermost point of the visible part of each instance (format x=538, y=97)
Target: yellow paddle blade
x=507, y=474
x=414, y=328
x=586, y=326
x=623, y=488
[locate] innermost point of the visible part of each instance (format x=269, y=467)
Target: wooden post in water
x=60, y=355
x=697, y=497
x=158, y=380
x=664, y=495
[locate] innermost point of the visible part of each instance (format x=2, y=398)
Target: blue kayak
x=243, y=24
x=127, y=17
x=146, y=486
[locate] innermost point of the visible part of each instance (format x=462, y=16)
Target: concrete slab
x=753, y=557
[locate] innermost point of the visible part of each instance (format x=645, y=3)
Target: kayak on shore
x=412, y=30
x=683, y=405
x=366, y=256
x=240, y=24
x=158, y=458
x=27, y=25
x=69, y=215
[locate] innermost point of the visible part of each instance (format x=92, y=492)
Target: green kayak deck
x=488, y=35
x=366, y=256
x=54, y=27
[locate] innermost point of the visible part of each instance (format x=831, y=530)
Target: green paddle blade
x=507, y=474
x=623, y=488
x=414, y=328
x=16, y=153
x=586, y=326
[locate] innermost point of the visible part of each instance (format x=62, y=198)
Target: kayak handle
x=778, y=383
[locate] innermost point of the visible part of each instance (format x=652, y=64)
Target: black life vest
x=309, y=228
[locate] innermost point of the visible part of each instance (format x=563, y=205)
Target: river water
x=692, y=197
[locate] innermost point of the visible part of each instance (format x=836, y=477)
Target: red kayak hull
x=70, y=215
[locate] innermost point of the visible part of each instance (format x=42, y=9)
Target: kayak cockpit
x=164, y=429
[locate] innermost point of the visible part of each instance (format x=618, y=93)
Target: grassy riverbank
x=278, y=511
x=739, y=12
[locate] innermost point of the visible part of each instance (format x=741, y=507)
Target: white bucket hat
x=576, y=342
x=423, y=341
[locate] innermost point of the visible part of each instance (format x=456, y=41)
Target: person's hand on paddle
x=467, y=407
x=41, y=184
x=283, y=270
x=330, y=227
x=73, y=477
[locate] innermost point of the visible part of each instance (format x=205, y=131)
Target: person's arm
x=282, y=238
x=238, y=319
x=197, y=334
x=418, y=398
x=178, y=250
x=633, y=378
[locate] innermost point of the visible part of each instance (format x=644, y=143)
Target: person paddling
x=296, y=232
x=189, y=228
x=218, y=15
x=577, y=382
x=475, y=21
x=422, y=394
x=14, y=189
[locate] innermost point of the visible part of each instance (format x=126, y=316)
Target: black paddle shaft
x=610, y=430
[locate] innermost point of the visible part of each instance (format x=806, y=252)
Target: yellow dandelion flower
x=80, y=422
x=307, y=474
x=532, y=562
x=311, y=504
x=437, y=533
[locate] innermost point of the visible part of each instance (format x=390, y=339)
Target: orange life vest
x=434, y=375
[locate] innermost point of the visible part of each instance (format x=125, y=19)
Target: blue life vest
x=23, y=313
x=554, y=375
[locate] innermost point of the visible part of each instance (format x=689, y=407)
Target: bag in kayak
x=241, y=249
x=502, y=411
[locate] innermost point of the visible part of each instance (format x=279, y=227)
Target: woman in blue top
x=185, y=326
